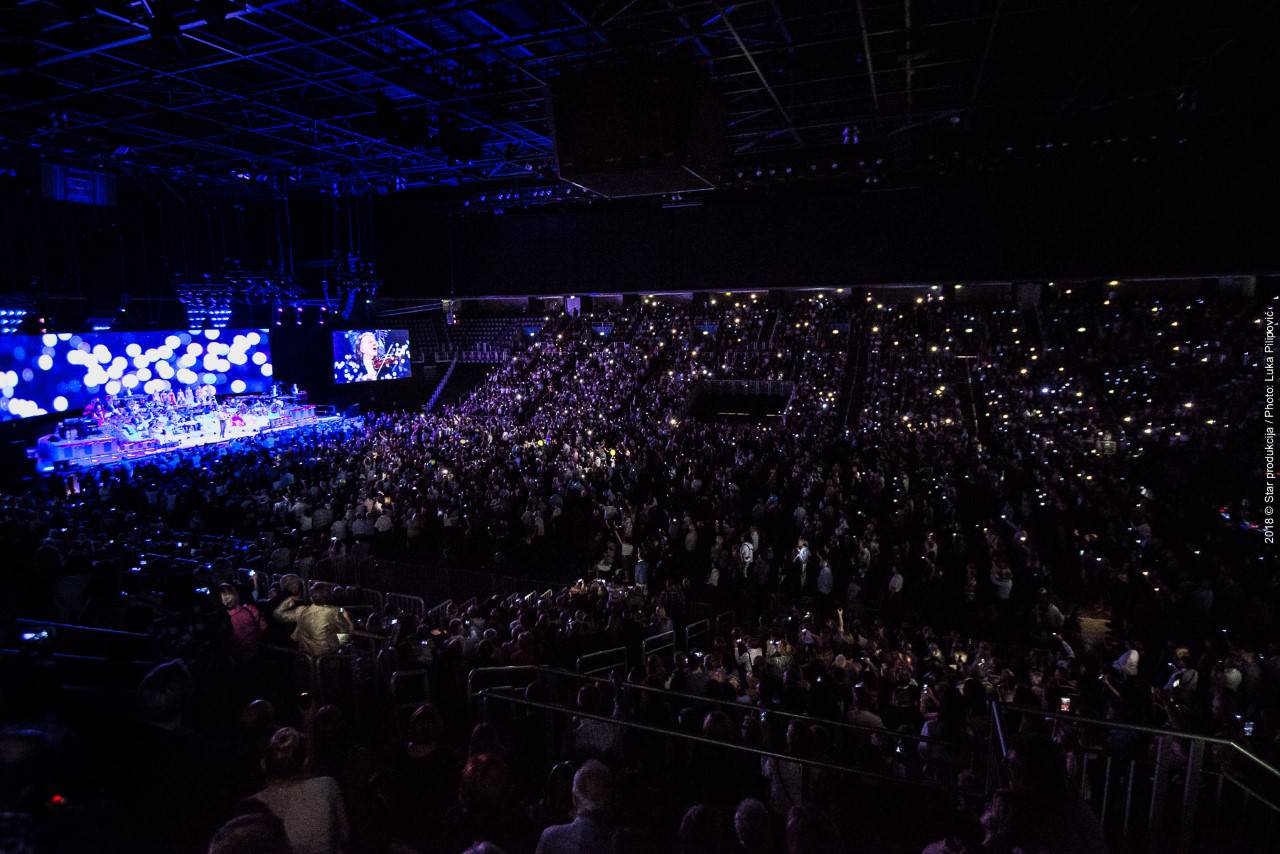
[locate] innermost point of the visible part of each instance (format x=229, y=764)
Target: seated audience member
x=484, y=848
x=483, y=811
x=177, y=787
x=704, y=830
x=255, y=728
x=753, y=827
x=424, y=775
x=311, y=808
x=556, y=804
x=964, y=837
x=1039, y=811
x=257, y=832
x=591, y=828
x=809, y=831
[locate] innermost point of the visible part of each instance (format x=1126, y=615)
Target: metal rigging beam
x=782, y=111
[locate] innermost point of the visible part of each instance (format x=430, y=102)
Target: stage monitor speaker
x=638, y=130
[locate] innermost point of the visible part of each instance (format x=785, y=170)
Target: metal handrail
x=611, y=651
x=509, y=668
x=670, y=643
x=71, y=656
x=668, y=692
x=1193, y=774
x=999, y=727
x=25, y=621
x=699, y=629
x=727, y=745
x=1249, y=791
x=1148, y=730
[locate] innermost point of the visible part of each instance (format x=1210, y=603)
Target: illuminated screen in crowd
x=368, y=355
x=41, y=374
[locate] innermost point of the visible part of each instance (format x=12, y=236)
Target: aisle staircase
x=444, y=380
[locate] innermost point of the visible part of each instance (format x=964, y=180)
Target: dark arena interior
x=575, y=426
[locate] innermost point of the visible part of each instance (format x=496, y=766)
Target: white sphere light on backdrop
x=69, y=368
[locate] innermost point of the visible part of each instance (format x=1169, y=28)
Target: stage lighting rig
x=210, y=300
x=351, y=282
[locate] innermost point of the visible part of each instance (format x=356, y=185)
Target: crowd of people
x=954, y=500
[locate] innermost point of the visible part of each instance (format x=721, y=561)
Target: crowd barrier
x=1228, y=797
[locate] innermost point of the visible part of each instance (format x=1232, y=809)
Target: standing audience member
x=316, y=626
x=247, y=625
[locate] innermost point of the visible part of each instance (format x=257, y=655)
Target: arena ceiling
x=392, y=94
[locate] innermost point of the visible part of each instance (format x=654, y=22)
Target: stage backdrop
x=43, y=374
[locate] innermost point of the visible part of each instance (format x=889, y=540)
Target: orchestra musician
x=166, y=415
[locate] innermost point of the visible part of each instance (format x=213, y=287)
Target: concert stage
x=174, y=427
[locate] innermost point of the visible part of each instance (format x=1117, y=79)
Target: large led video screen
x=41, y=374
x=369, y=355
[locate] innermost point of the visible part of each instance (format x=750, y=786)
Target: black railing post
x=1191, y=798
x=1160, y=783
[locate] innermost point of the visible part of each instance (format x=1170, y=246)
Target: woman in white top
x=310, y=808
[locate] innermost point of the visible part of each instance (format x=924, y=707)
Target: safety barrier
x=844, y=788
x=696, y=635
x=439, y=613
x=73, y=639
x=515, y=676
x=408, y=605
x=662, y=644
x=1226, y=788
x=603, y=661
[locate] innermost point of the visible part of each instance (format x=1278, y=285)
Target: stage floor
x=138, y=452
